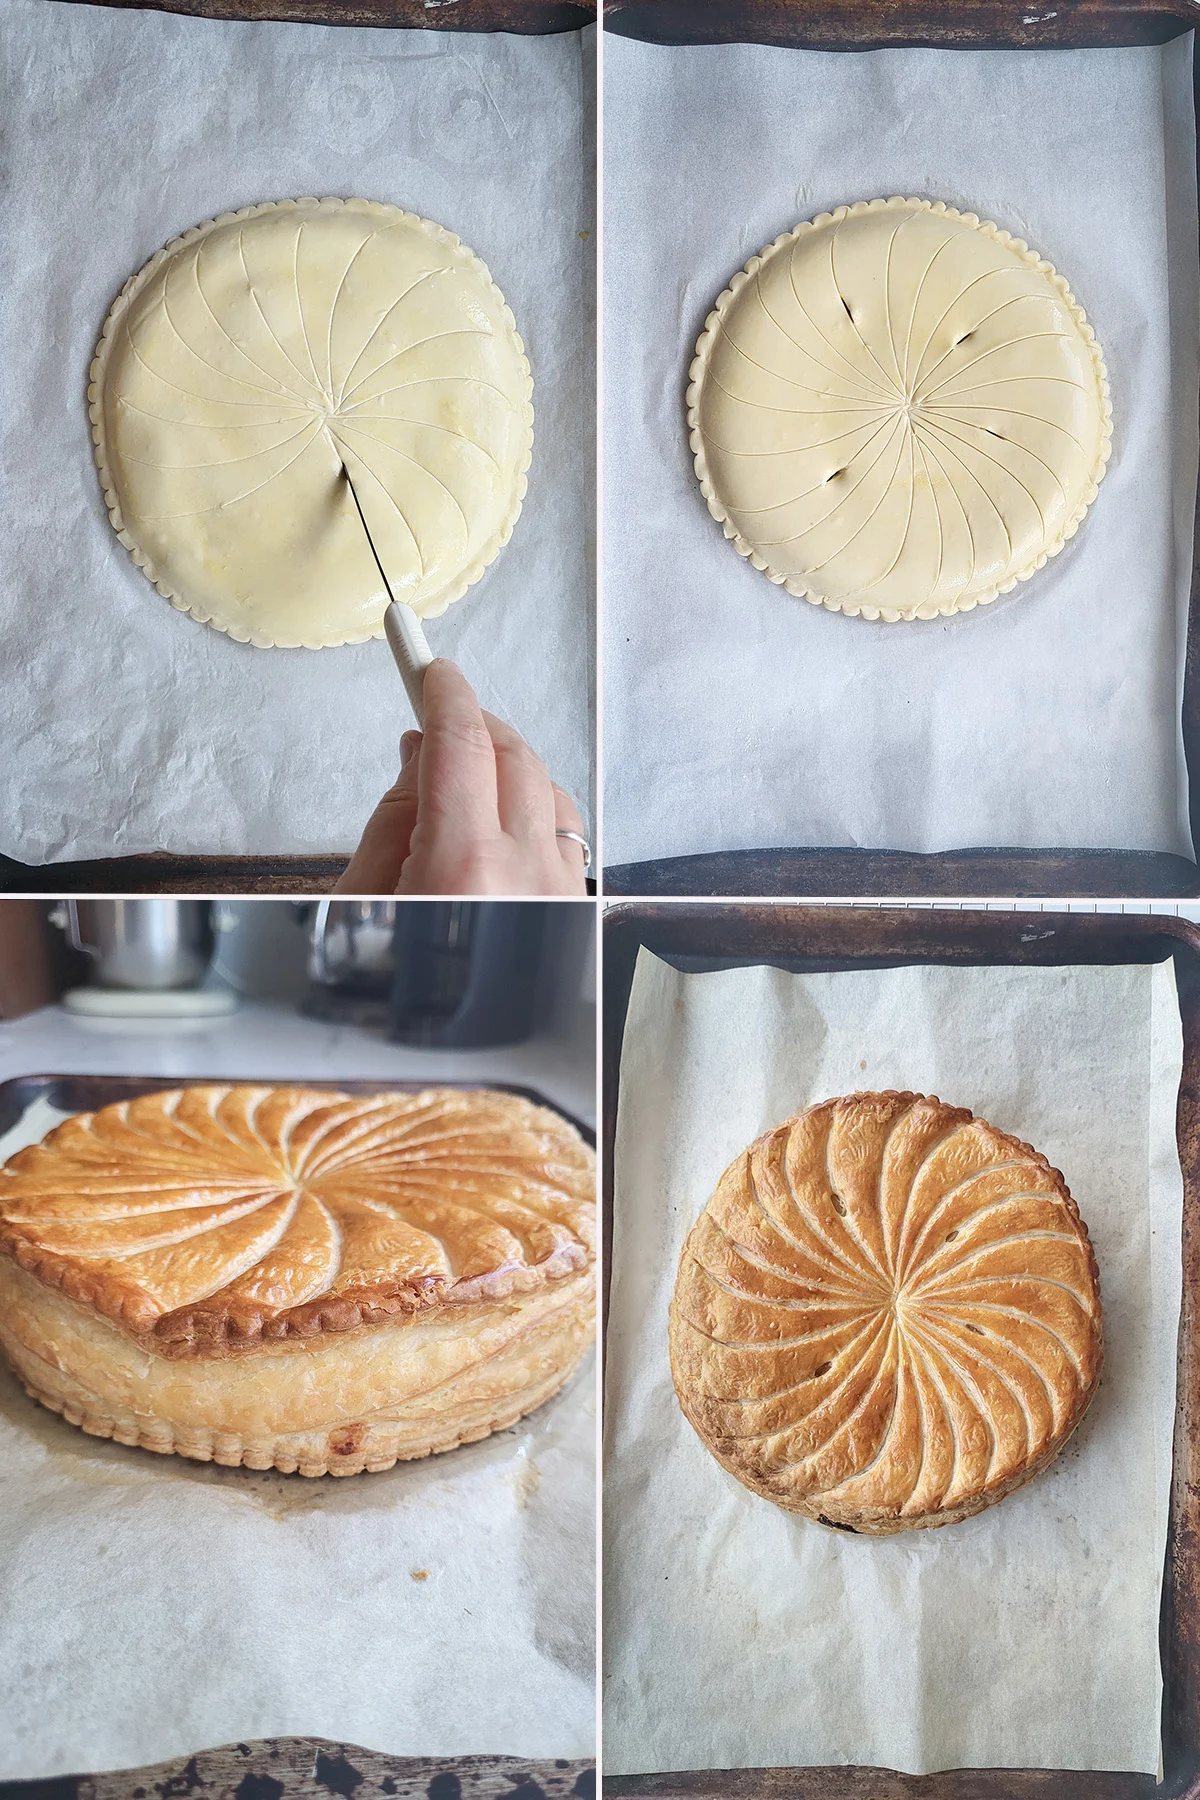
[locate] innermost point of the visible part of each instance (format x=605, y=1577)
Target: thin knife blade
x=401, y=625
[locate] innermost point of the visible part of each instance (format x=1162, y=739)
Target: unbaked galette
x=258, y=354
x=898, y=410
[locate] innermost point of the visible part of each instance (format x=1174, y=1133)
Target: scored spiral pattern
x=211, y=1212
x=898, y=411
x=888, y=1314
x=252, y=358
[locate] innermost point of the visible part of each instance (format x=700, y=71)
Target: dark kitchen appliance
x=446, y=974
x=466, y=972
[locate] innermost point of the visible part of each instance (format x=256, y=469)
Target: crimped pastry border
x=699, y=369
x=97, y=379
x=370, y=1434
x=879, y=1522
x=191, y=1332
x=357, y=1449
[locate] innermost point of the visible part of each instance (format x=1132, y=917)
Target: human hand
x=473, y=811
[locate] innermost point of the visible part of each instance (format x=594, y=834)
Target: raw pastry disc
x=898, y=411
x=251, y=357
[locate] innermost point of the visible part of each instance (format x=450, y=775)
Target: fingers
x=375, y=866
x=474, y=810
x=458, y=763
x=566, y=813
x=524, y=794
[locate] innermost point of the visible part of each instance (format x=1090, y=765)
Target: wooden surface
x=27, y=959
x=950, y=874
x=819, y=938
x=531, y=17
x=163, y=874
x=872, y=24
x=315, y=1769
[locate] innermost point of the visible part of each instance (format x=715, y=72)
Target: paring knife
x=401, y=625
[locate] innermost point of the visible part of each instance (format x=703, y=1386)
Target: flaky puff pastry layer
x=888, y=1315
x=295, y=1279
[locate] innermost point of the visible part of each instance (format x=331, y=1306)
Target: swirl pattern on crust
x=251, y=358
x=210, y=1218
x=887, y=1316
x=898, y=411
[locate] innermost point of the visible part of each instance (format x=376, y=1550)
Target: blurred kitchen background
x=282, y=990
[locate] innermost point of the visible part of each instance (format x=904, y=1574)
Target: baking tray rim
x=44, y=1080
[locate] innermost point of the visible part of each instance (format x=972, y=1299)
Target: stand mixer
x=150, y=957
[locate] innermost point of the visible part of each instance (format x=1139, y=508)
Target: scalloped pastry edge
x=549, y=1349
x=699, y=368
x=97, y=375
x=289, y=1453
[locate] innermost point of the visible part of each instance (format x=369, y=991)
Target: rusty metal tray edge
x=84, y=1093
x=531, y=17
x=875, y=24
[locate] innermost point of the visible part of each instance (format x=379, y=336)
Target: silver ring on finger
x=578, y=838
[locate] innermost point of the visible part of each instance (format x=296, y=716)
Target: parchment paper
x=739, y=717
x=128, y=727
x=737, y=1635
x=151, y=1607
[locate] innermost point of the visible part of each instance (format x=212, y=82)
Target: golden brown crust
x=887, y=1317
x=209, y=1221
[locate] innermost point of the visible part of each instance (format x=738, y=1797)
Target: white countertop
x=274, y=1043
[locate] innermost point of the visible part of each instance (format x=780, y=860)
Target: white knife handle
x=413, y=655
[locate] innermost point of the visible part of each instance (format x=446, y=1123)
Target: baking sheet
x=737, y=1635
x=737, y=716
x=443, y=1608
x=127, y=726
